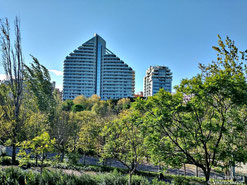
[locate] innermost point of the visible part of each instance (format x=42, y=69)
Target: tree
x=196, y=121
x=89, y=132
x=39, y=84
x=13, y=63
x=123, y=104
x=102, y=108
x=67, y=105
x=62, y=130
x=40, y=145
x=124, y=141
x=78, y=108
x=94, y=99
x=81, y=103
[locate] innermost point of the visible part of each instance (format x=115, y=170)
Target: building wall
x=94, y=69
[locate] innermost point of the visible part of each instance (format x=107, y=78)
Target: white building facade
x=157, y=77
x=94, y=69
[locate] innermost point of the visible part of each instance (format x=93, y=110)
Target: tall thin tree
x=13, y=64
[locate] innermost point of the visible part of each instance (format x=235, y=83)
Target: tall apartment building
x=94, y=69
x=157, y=77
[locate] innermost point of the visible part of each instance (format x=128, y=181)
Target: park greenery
x=203, y=123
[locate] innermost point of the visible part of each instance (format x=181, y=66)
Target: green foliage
x=35, y=124
x=5, y=160
x=181, y=181
x=155, y=181
x=89, y=134
x=2, y=150
x=124, y=141
x=73, y=158
x=101, y=108
x=17, y=176
x=39, y=83
x=83, y=102
x=203, y=122
x=123, y=104
x=78, y=108
x=39, y=146
x=13, y=64
x=67, y=105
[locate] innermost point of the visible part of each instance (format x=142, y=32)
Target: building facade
x=94, y=69
x=157, y=77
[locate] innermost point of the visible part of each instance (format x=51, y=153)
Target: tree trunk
x=197, y=171
x=13, y=153
x=130, y=178
x=147, y=159
x=233, y=172
x=106, y=160
x=42, y=163
x=36, y=159
x=84, y=158
x=62, y=156
x=207, y=175
x=184, y=169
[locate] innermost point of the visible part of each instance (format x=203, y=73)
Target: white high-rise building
x=157, y=77
x=94, y=69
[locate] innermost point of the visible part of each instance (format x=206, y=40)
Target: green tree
x=62, y=128
x=102, y=108
x=62, y=131
x=195, y=122
x=123, y=104
x=40, y=145
x=124, y=141
x=78, y=108
x=82, y=103
x=67, y=105
x=39, y=84
x=94, y=99
x=89, y=132
x=13, y=63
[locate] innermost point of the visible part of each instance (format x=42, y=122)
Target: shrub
x=180, y=180
x=6, y=160
x=139, y=180
x=2, y=150
x=16, y=176
x=155, y=181
x=112, y=178
x=12, y=176
x=87, y=179
x=73, y=158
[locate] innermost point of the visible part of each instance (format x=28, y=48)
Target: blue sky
x=175, y=33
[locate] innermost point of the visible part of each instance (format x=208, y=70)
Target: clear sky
x=175, y=33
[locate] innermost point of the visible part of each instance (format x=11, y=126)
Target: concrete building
x=94, y=69
x=157, y=77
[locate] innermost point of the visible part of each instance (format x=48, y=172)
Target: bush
x=12, y=176
x=6, y=160
x=139, y=180
x=112, y=178
x=180, y=180
x=73, y=158
x=2, y=150
x=155, y=181
x=16, y=176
